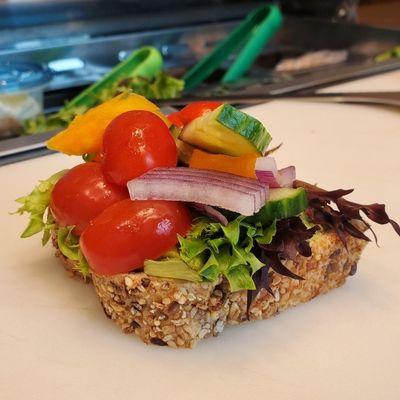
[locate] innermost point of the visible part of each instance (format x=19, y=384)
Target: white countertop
x=55, y=342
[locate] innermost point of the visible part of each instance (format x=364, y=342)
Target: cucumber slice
x=227, y=130
x=282, y=203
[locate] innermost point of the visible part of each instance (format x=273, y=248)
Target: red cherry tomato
x=98, y=157
x=175, y=119
x=134, y=143
x=82, y=194
x=197, y=109
x=124, y=235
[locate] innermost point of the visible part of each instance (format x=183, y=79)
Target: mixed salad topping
x=195, y=196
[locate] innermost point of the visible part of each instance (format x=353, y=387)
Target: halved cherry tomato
x=82, y=194
x=197, y=109
x=124, y=235
x=134, y=143
x=175, y=119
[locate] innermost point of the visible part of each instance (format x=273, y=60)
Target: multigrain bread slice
x=169, y=312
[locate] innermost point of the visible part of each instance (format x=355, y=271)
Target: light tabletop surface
x=55, y=342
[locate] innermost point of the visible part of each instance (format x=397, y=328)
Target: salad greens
x=213, y=250
x=162, y=86
x=36, y=204
x=68, y=243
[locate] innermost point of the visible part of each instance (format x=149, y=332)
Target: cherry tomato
x=98, y=157
x=124, y=235
x=175, y=119
x=93, y=157
x=134, y=143
x=82, y=194
x=197, y=109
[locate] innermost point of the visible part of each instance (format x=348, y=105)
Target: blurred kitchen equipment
x=145, y=62
x=81, y=48
x=21, y=94
x=82, y=40
x=253, y=33
x=389, y=54
x=311, y=60
x=372, y=98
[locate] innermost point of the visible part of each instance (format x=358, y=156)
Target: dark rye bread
x=175, y=313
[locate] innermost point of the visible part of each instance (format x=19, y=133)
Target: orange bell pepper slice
x=241, y=166
x=85, y=133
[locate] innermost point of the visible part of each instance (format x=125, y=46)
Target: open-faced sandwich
x=185, y=224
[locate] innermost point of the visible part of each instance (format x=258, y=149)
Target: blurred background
x=50, y=51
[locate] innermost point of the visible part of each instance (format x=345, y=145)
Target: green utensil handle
x=146, y=62
x=270, y=22
x=257, y=28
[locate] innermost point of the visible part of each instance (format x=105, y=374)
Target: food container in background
x=21, y=94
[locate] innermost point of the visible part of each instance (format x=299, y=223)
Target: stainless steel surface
x=44, y=19
x=373, y=98
x=182, y=47
x=23, y=148
x=334, y=75
x=32, y=23
x=95, y=56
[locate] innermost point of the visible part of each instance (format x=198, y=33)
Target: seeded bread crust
x=175, y=313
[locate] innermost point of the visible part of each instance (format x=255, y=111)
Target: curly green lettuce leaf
x=162, y=86
x=233, y=264
x=191, y=248
x=211, y=251
x=68, y=243
x=36, y=203
x=239, y=278
x=53, y=122
x=232, y=230
x=49, y=226
x=210, y=270
x=166, y=87
x=252, y=261
x=225, y=250
x=267, y=234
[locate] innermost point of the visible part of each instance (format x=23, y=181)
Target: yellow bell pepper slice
x=85, y=133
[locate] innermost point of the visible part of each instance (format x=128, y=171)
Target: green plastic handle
x=256, y=30
x=270, y=22
x=146, y=62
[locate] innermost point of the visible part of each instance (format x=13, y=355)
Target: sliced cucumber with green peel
x=227, y=130
x=282, y=203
